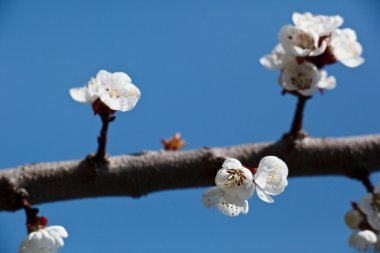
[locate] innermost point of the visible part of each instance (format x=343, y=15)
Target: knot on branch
x=11, y=194
x=91, y=165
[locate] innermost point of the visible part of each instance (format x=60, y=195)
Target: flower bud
x=353, y=219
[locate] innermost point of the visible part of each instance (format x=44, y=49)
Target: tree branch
x=140, y=174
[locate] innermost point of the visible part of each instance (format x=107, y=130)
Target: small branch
x=31, y=214
x=140, y=174
x=363, y=176
x=102, y=139
x=106, y=115
x=296, y=130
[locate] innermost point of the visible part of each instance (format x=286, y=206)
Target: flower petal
x=232, y=163
x=81, y=95
x=119, y=95
x=277, y=59
x=365, y=204
x=238, y=197
x=346, y=48
x=59, y=229
x=363, y=240
x=264, y=196
x=211, y=197
x=326, y=82
x=323, y=25
x=231, y=209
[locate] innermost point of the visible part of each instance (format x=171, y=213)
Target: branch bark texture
x=140, y=174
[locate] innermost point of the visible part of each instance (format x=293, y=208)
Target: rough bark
x=139, y=174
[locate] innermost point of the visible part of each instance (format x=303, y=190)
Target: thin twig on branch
x=140, y=174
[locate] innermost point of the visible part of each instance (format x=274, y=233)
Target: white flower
x=353, y=218
x=44, y=240
x=370, y=205
x=234, y=185
x=115, y=90
x=277, y=59
x=346, y=48
x=363, y=240
x=322, y=25
x=270, y=178
x=305, y=78
x=301, y=42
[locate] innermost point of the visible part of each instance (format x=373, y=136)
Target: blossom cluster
x=235, y=184
x=364, y=219
x=305, y=47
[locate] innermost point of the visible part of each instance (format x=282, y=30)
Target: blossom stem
x=363, y=176
x=102, y=139
x=31, y=214
x=296, y=130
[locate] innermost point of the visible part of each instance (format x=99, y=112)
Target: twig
x=102, y=139
x=296, y=130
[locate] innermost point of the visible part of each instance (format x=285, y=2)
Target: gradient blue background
x=197, y=65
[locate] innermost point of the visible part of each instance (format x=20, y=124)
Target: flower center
x=303, y=40
x=113, y=92
x=236, y=178
x=303, y=78
x=301, y=82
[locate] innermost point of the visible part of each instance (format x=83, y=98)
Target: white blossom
x=44, y=240
x=363, y=240
x=270, y=178
x=277, y=59
x=353, y=218
x=346, y=48
x=115, y=90
x=322, y=25
x=370, y=205
x=305, y=78
x=301, y=42
x=234, y=185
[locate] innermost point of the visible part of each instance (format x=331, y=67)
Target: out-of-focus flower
x=322, y=25
x=44, y=240
x=363, y=240
x=270, y=178
x=115, y=90
x=305, y=78
x=369, y=204
x=353, y=218
x=301, y=42
x=346, y=48
x=234, y=186
x=175, y=143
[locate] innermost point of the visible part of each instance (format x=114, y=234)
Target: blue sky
x=197, y=65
